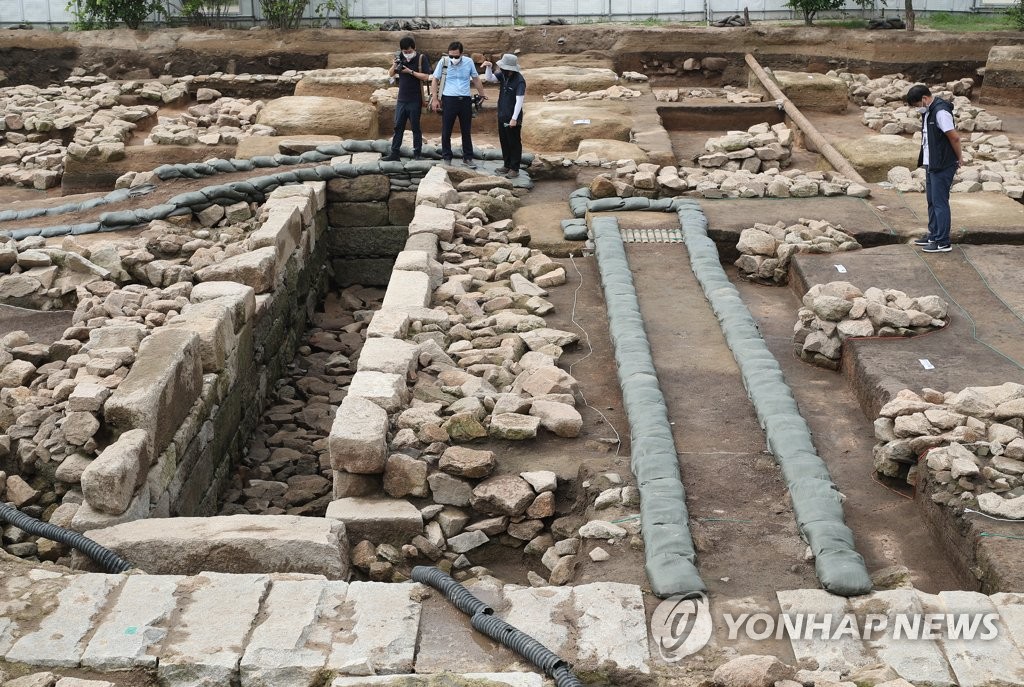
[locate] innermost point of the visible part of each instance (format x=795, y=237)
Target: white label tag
x=581, y=121
x=841, y=269
x=926, y=364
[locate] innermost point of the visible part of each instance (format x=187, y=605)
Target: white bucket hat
x=508, y=63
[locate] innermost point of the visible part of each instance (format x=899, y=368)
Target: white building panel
x=10, y=11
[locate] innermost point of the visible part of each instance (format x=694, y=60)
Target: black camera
x=478, y=103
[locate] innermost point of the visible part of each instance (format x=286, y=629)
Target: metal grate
x=651, y=235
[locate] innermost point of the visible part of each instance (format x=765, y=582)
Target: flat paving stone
x=58, y=643
x=976, y=662
x=1011, y=611
x=465, y=679
x=210, y=628
x=541, y=612
x=918, y=660
x=381, y=639
x=612, y=625
x=279, y=652
x=830, y=654
x=134, y=626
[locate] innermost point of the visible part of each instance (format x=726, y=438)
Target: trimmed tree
x=809, y=8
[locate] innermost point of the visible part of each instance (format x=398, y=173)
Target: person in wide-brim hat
x=508, y=63
x=512, y=88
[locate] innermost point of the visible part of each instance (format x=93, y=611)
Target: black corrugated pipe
x=111, y=562
x=482, y=618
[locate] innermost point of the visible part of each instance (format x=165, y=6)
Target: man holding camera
x=449, y=94
x=412, y=69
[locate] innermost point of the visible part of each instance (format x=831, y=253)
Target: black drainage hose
x=482, y=618
x=111, y=562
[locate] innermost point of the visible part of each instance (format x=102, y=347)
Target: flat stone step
x=950, y=638
x=462, y=680
x=286, y=629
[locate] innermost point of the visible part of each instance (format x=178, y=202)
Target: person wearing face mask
x=940, y=156
x=449, y=94
x=510, y=111
x=412, y=69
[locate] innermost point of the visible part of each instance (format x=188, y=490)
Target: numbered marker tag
x=581, y=121
x=841, y=269
x=926, y=364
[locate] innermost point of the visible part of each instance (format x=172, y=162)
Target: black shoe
x=446, y=160
x=501, y=171
x=924, y=241
x=469, y=163
x=512, y=174
x=393, y=157
x=937, y=248
x=417, y=156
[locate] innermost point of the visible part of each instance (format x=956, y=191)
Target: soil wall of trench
x=45, y=57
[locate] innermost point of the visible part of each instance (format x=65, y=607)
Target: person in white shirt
x=510, y=111
x=449, y=94
x=940, y=156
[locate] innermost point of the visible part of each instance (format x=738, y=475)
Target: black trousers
x=458, y=107
x=511, y=139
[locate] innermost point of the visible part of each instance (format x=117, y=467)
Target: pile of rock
x=33, y=275
x=837, y=311
x=766, y=249
x=892, y=88
x=660, y=66
x=1006, y=175
x=631, y=179
x=791, y=183
x=730, y=94
x=222, y=121
x=903, y=119
x=761, y=147
x=971, y=442
x=610, y=93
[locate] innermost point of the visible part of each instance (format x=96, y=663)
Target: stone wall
x=195, y=391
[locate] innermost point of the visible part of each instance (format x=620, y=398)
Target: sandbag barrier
x=114, y=196
x=670, y=559
x=817, y=504
x=253, y=190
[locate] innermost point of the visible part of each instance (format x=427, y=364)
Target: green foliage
x=809, y=8
x=205, y=12
x=106, y=14
x=1015, y=14
x=650, y=21
x=519, y=21
x=283, y=14
x=339, y=9
x=971, y=22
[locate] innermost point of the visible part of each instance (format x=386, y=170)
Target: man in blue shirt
x=449, y=93
x=510, y=111
x=412, y=69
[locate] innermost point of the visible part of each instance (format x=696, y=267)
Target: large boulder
x=251, y=146
x=874, y=156
x=1004, y=76
x=605, y=149
x=560, y=126
x=309, y=114
x=353, y=83
x=808, y=91
x=543, y=80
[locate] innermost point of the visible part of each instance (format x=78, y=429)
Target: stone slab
x=540, y=612
x=462, y=680
x=358, y=439
x=393, y=356
x=279, y=653
x=830, y=654
x=231, y=544
x=387, y=390
x=239, y=297
x=917, y=660
x=59, y=641
x=209, y=629
x=976, y=662
x=392, y=324
x=433, y=220
x=381, y=520
x=1011, y=611
x=612, y=626
x=384, y=626
x=407, y=289
x=436, y=188
x=128, y=633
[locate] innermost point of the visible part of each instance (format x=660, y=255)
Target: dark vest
x=940, y=151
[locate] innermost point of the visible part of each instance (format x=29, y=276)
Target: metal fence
x=497, y=12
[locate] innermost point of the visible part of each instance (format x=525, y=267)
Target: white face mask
x=409, y=55
x=455, y=60
x=922, y=110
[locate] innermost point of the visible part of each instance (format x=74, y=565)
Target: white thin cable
x=992, y=517
x=618, y=439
